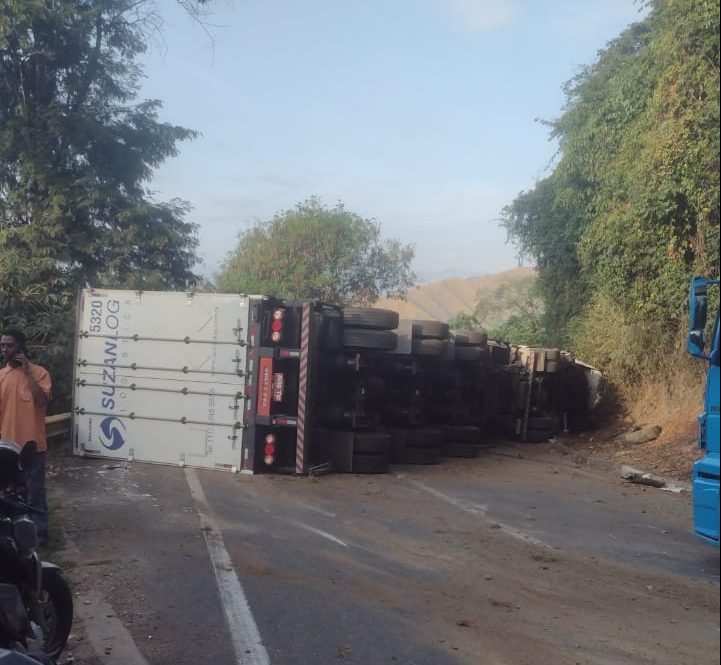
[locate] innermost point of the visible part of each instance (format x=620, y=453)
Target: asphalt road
x=502, y=560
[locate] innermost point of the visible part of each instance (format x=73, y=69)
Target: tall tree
x=76, y=153
x=313, y=251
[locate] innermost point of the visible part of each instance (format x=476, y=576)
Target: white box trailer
x=210, y=380
x=161, y=376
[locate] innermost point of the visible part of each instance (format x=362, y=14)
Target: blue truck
x=706, y=470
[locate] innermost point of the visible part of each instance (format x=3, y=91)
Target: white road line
x=473, y=508
x=316, y=509
x=110, y=639
x=482, y=511
x=322, y=534
x=247, y=643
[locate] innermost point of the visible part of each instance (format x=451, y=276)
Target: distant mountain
x=446, y=298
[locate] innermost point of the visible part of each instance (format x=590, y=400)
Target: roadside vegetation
x=630, y=208
x=313, y=251
x=77, y=151
x=513, y=311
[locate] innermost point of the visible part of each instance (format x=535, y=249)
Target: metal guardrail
x=57, y=425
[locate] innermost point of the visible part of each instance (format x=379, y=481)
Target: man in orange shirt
x=24, y=394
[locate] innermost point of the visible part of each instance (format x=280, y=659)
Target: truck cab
x=706, y=470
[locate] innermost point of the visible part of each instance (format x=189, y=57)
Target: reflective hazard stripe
x=302, y=389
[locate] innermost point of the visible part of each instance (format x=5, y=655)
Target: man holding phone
x=24, y=394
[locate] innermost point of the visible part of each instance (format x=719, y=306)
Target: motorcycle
x=36, y=604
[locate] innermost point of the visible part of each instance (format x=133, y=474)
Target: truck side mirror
x=698, y=308
x=698, y=303
x=695, y=343
x=715, y=351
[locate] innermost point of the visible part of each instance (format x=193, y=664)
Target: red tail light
x=269, y=449
x=276, y=326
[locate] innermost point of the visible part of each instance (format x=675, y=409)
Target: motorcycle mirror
x=28, y=455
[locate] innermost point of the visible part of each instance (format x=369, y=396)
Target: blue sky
x=421, y=114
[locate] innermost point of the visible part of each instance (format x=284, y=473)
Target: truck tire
x=367, y=317
x=370, y=464
x=454, y=449
x=405, y=416
x=422, y=456
x=331, y=330
x=371, y=443
x=538, y=435
x=429, y=347
x=541, y=423
x=470, y=337
x=425, y=437
x=332, y=414
x=460, y=338
x=461, y=433
x=359, y=338
x=426, y=329
x=467, y=353
x=398, y=443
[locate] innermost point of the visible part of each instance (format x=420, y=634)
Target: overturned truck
x=261, y=385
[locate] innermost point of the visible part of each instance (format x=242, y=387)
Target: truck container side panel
x=160, y=377
x=157, y=441
x=201, y=404
x=151, y=360
x=206, y=316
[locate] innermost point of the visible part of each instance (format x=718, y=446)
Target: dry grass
x=674, y=405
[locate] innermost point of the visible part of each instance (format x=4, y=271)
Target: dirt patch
x=671, y=455
x=671, y=404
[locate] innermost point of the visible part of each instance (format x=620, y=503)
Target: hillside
x=442, y=300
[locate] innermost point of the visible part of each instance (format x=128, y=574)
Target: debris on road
x=640, y=477
x=642, y=435
x=676, y=489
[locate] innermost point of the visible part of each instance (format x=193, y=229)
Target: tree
x=313, y=251
x=631, y=208
x=513, y=312
x=76, y=154
x=43, y=310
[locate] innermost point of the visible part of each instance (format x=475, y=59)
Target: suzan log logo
x=112, y=433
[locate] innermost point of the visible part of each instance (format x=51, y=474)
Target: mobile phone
x=14, y=363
